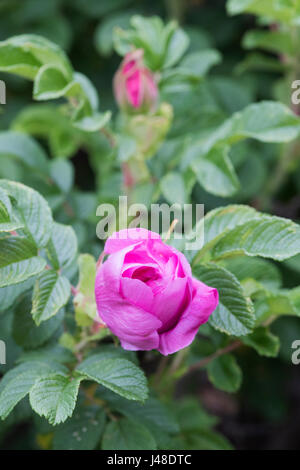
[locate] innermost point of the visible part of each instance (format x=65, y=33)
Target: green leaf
x=197, y=64
x=49, y=352
x=48, y=121
x=234, y=315
x=192, y=416
x=62, y=173
x=281, y=302
x=18, y=261
x=238, y=229
x=263, y=341
x=152, y=413
x=23, y=148
x=82, y=431
x=225, y=373
x=273, y=41
x=9, y=294
x=25, y=54
x=206, y=439
x=50, y=83
x=261, y=270
x=54, y=397
x=126, y=434
x=104, y=32
x=173, y=188
x=62, y=246
x=25, y=332
x=266, y=121
x=6, y=224
x=51, y=293
x=17, y=61
x=93, y=123
x=268, y=236
x=293, y=263
x=32, y=210
x=119, y=375
x=215, y=172
x=282, y=11
x=177, y=45
x=220, y=221
x=17, y=383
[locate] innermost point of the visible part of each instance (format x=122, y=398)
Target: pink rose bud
x=134, y=85
x=146, y=294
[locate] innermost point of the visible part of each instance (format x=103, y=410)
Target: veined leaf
x=48, y=353
x=9, y=294
x=25, y=332
x=152, y=413
x=268, y=236
x=241, y=230
x=225, y=373
x=119, y=375
x=62, y=246
x=51, y=292
x=126, y=434
x=6, y=224
x=25, y=149
x=222, y=220
x=263, y=341
x=234, y=314
x=267, y=121
x=18, y=261
x=215, y=172
x=32, y=210
x=261, y=270
x=18, y=382
x=55, y=397
x=82, y=431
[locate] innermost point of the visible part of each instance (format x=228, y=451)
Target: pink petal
x=205, y=301
x=137, y=293
x=127, y=321
x=169, y=303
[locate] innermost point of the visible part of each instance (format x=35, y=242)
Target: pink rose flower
x=146, y=294
x=134, y=85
